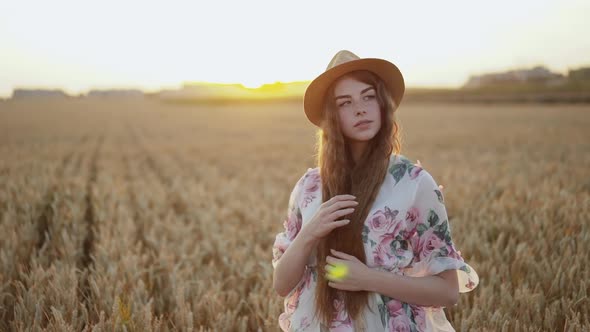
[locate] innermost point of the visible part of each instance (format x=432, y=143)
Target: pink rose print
x=395, y=308
x=312, y=185
x=293, y=300
x=291, y=304
x=336, y=327
x=305, y=324
x=383, y=221
x=470, y=284
x=398, y=226
x=292, y=225
x=429, y=242
x=378, y=223
x=342, y=322
x=398, y=320
x=415, y=171
x=399, y=323
x=419, y=316
x=381, y=253
x=412, y=220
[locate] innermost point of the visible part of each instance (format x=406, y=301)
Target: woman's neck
x=357, y=148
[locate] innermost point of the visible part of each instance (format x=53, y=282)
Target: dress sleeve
x=432, y=245
x=291, y=224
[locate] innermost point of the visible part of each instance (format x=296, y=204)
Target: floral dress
x=406, y=232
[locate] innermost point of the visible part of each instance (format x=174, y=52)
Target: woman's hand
x=354, y=280
x=324, y=221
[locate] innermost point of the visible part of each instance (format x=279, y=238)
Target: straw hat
x=344, y=62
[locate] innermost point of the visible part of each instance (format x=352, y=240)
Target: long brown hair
x=340, y=175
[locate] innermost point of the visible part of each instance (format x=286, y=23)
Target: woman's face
x=358, y=109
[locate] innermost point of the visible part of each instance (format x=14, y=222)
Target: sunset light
x=77, y=46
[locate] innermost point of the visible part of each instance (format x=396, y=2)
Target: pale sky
x=81, y=45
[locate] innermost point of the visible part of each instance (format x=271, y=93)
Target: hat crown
x=342, y=57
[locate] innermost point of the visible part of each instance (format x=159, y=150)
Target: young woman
x=366, y=208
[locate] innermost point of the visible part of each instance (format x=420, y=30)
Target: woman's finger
x=341, y=254
x=338, y=198
x=348, y=203
x=340, y=213
x=341, y=197
x=333, y=260
x=339, y=223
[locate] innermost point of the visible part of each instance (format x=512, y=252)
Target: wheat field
x=142, y=216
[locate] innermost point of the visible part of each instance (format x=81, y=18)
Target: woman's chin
x=361, y=139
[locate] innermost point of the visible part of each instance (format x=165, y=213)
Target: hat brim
x=313, y=101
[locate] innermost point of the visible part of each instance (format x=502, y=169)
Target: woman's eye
x=344, y=103
x=370, y=97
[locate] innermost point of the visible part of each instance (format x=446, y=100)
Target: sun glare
x=252, y=84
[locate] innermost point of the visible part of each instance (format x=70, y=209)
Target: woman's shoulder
x=311, y=174
x=395, y=159
x=306, y=187
x=401, y=167
x=307, y=173
x=418, y=170
x=312, y=171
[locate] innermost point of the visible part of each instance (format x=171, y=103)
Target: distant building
x=115, y=93
x=20, y=94
x=538, y=74
x=581, y=74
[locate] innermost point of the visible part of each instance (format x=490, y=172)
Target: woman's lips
x=363, y=124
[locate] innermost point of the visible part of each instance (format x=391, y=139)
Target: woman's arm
x=290, y=267
x=440, y=289
x=437, y=290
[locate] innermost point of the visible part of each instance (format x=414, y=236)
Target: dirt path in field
x=86, y=261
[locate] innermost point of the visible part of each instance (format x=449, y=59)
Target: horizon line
x=163, y=88
x=182, y=84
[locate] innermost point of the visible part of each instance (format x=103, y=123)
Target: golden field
x=143, y=216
